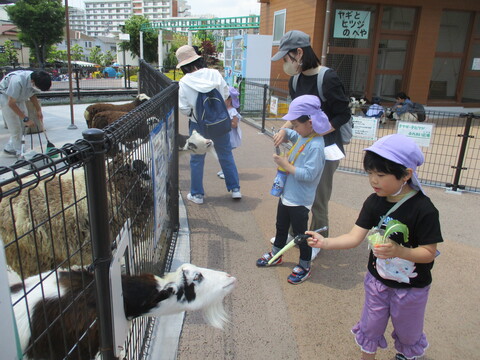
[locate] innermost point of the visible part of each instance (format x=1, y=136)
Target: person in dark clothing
x=299, y=59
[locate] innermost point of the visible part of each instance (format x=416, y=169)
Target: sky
x=219, y=8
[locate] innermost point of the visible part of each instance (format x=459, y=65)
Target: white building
x=103, y=17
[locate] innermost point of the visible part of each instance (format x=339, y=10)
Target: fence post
x=242, y=97
x=461, y=156
x=77, y=81
x=264, y=109
x=101, y=240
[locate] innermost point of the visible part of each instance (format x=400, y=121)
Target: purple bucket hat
x=309, y=105
x=234, y=95
x=401, y=150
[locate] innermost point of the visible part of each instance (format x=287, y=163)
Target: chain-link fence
x=450, y=141
x=61, y=214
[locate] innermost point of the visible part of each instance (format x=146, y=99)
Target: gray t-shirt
x=18, y=85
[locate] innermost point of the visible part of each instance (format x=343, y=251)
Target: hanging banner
x=351, y=24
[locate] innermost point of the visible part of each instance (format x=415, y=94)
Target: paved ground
x=273, y=319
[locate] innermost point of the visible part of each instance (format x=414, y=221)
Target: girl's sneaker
x=399, y=356
x=263, y=261
x=220, y=175
x=299, y=275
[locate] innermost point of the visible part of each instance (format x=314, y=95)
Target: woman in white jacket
x=198, y=79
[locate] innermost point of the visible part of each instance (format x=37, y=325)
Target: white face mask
x=292, y=68
x=400, y=190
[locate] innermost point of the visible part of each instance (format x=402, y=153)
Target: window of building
x=370, y=60
x=16, y=44
x=452, y=44
x=398, y=18
x=279, y=18
x=471, y=85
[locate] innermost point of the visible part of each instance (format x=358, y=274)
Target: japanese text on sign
x=365, y=128
x=351, y=24
x=420, y=133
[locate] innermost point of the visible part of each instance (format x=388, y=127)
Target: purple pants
x=406, y=307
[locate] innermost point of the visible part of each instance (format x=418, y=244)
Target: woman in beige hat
x=199, y=79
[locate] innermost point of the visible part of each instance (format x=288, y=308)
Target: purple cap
x=401, y=150
x=309, y=105
x=234, y=95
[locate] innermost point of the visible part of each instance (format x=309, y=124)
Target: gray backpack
x=346, y=130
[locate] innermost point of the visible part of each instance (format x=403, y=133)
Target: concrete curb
x=167, y=329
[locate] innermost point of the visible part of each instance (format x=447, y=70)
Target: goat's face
x=197, y=144
x=202, y=287
x=193, y=288
x=353, y=102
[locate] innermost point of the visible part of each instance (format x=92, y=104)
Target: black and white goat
x=48, y=333
x=356, y=105
x=194, y=144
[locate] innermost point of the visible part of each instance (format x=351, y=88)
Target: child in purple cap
x=398, y=279
x=304, y=165
x=233, y=104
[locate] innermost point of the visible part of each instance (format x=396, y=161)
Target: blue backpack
x=212, y=114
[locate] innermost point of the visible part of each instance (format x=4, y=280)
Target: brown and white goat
x=47, y=332
x=94, y=109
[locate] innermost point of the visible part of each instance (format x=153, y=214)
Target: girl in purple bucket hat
x=303, y=166
x=402, y=228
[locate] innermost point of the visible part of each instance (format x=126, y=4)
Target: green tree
x=76, y=52
x=56, y=55
x=108, y=58
x=205, y=35
x=150, y=38
x=96, y=56
x=9, y=56
x=41, y=24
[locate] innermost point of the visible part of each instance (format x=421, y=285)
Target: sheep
x=38, y=313
x=93, y=109
x=50, y=224
x=104, y=118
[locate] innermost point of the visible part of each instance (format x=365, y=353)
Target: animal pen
x=449, y=140
x=65, y=212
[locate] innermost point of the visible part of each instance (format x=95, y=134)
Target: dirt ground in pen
x=271, y=319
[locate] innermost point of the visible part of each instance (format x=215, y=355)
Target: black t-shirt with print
x=422, y=220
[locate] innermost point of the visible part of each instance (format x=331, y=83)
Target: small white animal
x=195, y=144
x=47, y=333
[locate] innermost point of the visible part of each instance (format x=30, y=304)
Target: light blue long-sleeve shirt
x=300, y=187
x=406, y=107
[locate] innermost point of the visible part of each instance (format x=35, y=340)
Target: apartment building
x=104, y=17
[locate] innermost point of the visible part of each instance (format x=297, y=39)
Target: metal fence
x=65, y=212
x=451, y=157
x=87, y=79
